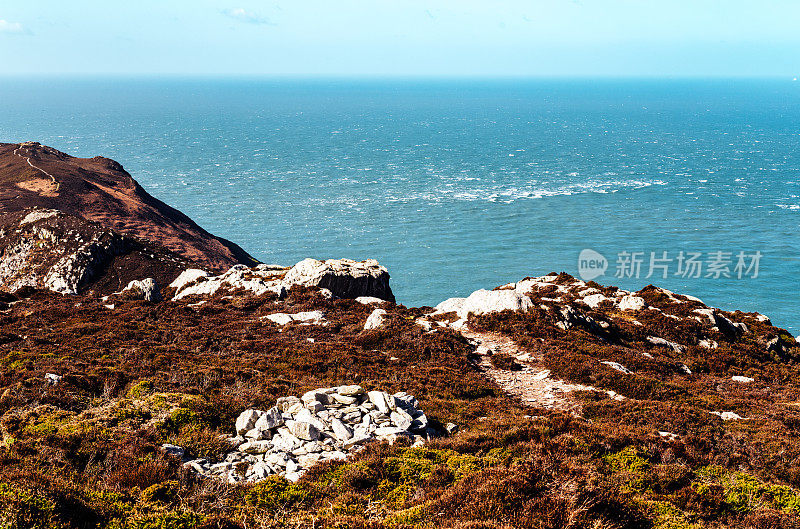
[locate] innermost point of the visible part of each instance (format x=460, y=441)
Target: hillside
x=100, y=190
x=306, y=397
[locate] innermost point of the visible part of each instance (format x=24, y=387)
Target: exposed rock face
x=51, y=250
x=345, y=278
x=324, y=424
x=366, y=281
x=100, y=190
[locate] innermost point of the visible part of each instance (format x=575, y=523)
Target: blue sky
x=403, y=37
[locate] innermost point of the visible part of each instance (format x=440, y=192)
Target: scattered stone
x=145, y=289
x=375, y=319
x=314, y=317
x=634, y=303
x=369, y=300
x=727, y=415
x=614, y=365
x=661, y=342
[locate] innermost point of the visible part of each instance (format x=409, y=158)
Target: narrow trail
x=27, y=159
x=533, y=384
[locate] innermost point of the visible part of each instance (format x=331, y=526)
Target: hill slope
x=100, y=190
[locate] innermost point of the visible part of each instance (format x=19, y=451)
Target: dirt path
x=27, y=159
x=533, y=384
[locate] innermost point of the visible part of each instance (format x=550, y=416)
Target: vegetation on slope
x=84, y=453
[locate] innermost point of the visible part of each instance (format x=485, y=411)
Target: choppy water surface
x=459, y=185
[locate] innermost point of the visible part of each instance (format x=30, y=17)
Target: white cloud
x=243, y=15
x=11, y=27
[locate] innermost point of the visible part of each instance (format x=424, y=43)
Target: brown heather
x=85, y=453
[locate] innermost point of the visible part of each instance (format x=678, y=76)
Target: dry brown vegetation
x=85, y=452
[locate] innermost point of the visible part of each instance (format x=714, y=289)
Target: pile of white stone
x=324, y=424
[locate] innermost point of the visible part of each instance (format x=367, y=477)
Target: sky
x=380, y=38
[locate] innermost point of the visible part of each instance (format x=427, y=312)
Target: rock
x=451, y=428
x=257, y=434
x=261, y=470
x=350, y=391
x=188, y=277
x=341, y=430
x=52, y=379
x=367, y=300
x=401, y=419
x=450, y=305
x=342, y=399
x=284, y=404
x=145, y=289
x=308, y=460
x=173, y=450
x=571, y=317
x=375, y=319
x=661, y=342
x=728, y=327
x=270, y=420
x=633, y=303
x=617, y=366
x=594, y=300
x=198, y=465
x=345, y=278
x=255, y=447
x=378, y=398
x=315, y=395
x=387, y=430
x=488, y=301
x=314, y=317
x=246, y=420
x=727, y=415
x=742, y=379
x=304, y=430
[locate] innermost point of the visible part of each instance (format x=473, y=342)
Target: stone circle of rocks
x=324, y=424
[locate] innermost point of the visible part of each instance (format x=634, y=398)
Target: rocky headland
x=154, y=375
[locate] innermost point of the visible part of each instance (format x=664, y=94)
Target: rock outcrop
x=345, y=278
x=48, y=249
x=342, y=278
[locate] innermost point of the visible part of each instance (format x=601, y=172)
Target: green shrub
x=23, y=509
x=140, y=390
x=276, y=493
x=159, y=520
x=164, y=492
x=744, y=493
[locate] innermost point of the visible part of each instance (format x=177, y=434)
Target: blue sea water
x=459, y=185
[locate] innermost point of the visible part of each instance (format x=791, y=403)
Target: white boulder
x=489, y=301
x=375, y=319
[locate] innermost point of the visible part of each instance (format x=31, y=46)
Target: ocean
x=456, y=185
